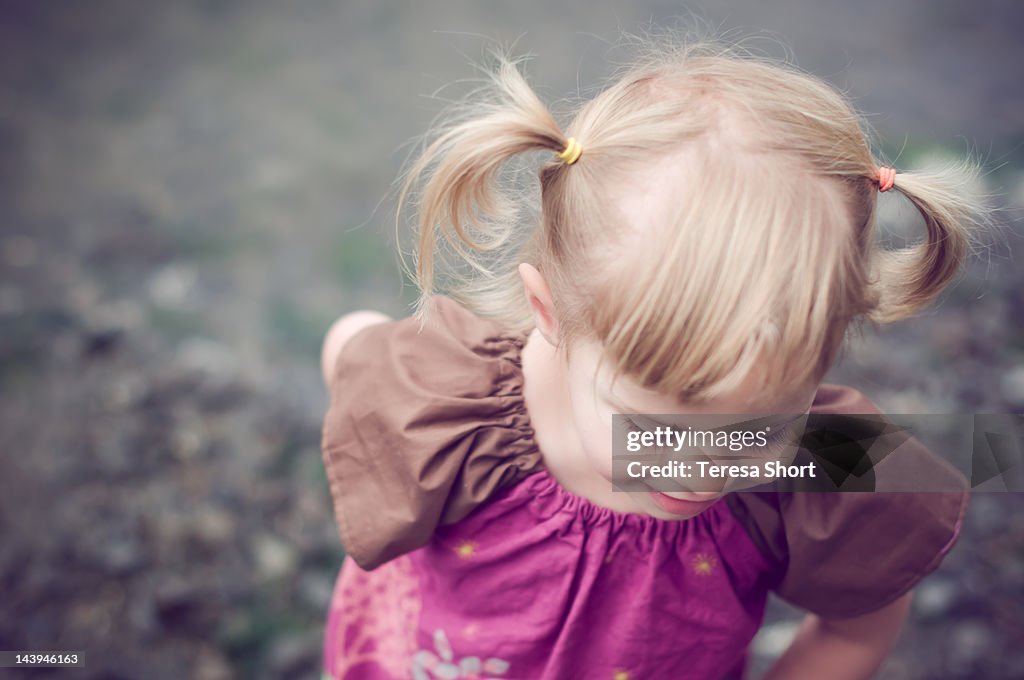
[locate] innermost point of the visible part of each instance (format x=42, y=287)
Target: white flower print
x=442, y=665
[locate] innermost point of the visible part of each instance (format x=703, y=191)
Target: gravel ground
x=189, y=195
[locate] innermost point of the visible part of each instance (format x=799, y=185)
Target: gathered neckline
x=514, y=380
x=543, y=482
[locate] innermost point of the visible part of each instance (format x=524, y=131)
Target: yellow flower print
x=466, y=549
x=704, y=564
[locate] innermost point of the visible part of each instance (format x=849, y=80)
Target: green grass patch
x=175, y=324
x=360, y=256
x=299, y=329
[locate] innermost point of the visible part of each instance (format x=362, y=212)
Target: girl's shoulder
x=425, y=422
x=846, y=553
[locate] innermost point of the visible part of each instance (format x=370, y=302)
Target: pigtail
x=462, y=207
x=907, y=279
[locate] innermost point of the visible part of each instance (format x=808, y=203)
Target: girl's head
x=717, y=231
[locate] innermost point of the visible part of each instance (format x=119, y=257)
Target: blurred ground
x=188, y=197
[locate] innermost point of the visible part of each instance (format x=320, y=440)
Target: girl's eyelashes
x=778, y=438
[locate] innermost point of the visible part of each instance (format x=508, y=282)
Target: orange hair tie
x=886, y=178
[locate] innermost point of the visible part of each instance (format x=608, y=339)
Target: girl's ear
x=538, y=294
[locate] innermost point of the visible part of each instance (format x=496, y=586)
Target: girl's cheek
x=599, y=453
x=595, y=435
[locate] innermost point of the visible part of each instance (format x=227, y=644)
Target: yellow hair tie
x=572, y=152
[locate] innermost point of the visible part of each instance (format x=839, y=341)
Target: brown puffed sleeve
x=846, y=553
x=423, y=426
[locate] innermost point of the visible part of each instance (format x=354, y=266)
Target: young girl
x=705, y=236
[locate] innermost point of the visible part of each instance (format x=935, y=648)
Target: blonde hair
x=763, y=244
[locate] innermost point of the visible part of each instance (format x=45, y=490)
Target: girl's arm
x=340, y=332
x=841, y=649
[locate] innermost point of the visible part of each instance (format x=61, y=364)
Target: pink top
x=476, y=563
x=540, y=583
